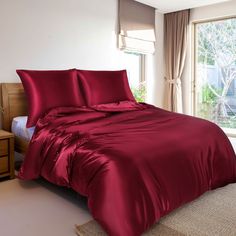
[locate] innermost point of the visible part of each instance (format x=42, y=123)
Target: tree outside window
x=216, y=71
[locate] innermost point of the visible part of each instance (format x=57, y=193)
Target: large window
x=215, y=71
x=135, y=69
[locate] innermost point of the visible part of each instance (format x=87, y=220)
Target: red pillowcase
x=101, y=87
x=49, y=89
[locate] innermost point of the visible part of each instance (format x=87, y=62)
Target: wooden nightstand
x=7, y=154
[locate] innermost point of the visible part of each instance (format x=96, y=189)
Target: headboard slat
x=13, y=103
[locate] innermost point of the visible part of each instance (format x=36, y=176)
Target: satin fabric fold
x=134, y=162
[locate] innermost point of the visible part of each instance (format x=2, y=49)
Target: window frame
x=193, y=42
x=194, y=57
x=142, y=69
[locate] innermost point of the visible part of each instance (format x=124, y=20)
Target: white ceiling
x=177, y=5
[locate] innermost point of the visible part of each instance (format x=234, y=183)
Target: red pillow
x=101, y=87
x=49, y=89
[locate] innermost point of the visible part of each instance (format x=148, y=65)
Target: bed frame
x=13, y=103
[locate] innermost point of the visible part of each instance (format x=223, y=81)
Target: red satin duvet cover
x=134, y=162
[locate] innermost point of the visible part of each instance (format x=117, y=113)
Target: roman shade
x=136, y=27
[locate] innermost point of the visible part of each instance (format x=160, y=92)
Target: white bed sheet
x=19, y=128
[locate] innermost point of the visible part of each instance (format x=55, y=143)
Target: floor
x=39, y=208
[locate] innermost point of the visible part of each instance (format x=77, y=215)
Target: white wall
x=60, y=34
x=155, y=66
x=198, y=14
x=57, y=34
x=159, y=82
x=214, y=11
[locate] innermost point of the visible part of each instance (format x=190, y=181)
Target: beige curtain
x=175, y=39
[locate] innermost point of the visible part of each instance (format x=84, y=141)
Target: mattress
x=19, y=128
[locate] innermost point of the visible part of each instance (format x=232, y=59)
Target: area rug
x=213, y=214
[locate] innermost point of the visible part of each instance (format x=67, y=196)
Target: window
x=135, y=69
x=215, y=71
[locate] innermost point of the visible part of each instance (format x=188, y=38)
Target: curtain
x=136, y=27
x=175, y=40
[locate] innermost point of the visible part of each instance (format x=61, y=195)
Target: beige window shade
x=136, y=27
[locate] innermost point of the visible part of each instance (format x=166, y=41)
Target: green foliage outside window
x=208, y=101
x=208, y=96
x=139, y=93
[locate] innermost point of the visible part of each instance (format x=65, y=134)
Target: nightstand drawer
x=3, y=147
x=4, y=164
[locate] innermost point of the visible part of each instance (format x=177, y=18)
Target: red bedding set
x=134, y=162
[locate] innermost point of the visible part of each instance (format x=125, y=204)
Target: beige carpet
x=213, y=214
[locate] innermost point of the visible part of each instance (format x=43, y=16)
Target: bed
x=20, y=130
x=108, y=154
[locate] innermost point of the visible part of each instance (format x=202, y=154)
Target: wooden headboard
x=13, y=103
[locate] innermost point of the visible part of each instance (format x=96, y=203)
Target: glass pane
x=133, y=62
x=216, y=72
